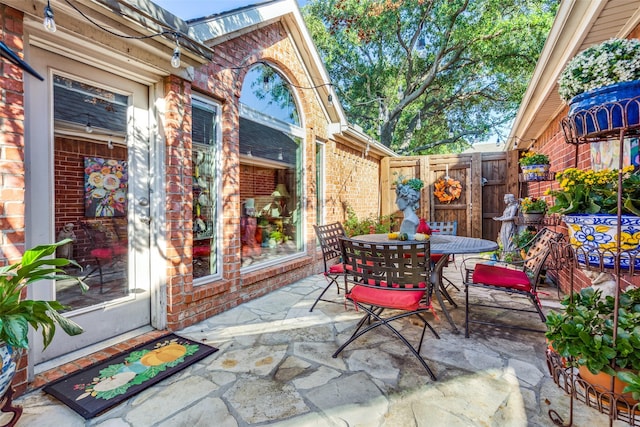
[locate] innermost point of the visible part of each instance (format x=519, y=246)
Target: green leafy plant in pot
x=17, y=313
x=583, y=335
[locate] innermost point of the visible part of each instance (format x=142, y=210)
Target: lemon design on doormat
x=137, y=368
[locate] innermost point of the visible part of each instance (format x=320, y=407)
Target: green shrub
x=355, y=227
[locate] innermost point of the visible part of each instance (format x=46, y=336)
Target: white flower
x=610, y=62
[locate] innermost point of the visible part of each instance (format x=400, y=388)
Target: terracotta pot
x=602, y=382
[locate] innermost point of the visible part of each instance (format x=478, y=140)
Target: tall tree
x=426, y=76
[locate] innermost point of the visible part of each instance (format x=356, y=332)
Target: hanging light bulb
x=400, y=93
x=419, y=123
x=110, y=143
x=330, y=100
x=49, y=23
x=175, y=58
x=265, y=83
x=88, y=128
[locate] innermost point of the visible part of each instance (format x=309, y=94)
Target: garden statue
x=508, y=228
x=66, y=250
x=408, y=201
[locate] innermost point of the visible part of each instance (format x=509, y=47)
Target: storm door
x=91, y=176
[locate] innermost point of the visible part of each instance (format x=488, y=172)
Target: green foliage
x=355, y=227
x=420, y=75
x=533, y=204
x=16, y=313
x=590, y=192
x=584, y=331
x=523, y=239
x=532, y=158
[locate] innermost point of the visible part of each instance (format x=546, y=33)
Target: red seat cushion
x=336, y=269
x=381, y=297
x=201, y=251
x=501, y=276
x=102, y=253
x=120, y=249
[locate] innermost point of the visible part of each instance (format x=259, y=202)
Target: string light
x=175, y=58
x=418, y=123
x=265, y=83
x=330, y=100
x=176, y=52
x=49, y=23
x=88, y=128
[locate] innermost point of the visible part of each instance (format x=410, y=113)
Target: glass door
x=97, y=183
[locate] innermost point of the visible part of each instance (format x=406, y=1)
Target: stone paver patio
x=275, y=368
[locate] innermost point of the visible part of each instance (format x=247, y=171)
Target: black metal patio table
x=444, y=245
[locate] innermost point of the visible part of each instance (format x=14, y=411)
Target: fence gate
x=485, y=179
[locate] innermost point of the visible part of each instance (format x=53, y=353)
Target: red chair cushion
x=120, y=250
x=501, y=276
x=336, y=269
x=381, y=297
x=102, y=253
x=201, y=251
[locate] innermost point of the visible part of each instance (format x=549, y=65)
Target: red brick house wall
x=352, y=177
x=348, y=177
x=12, y=178
x=563, y=155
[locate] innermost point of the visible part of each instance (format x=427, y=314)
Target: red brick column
x=12, y=174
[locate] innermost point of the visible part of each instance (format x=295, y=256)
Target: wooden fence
x=485, y=179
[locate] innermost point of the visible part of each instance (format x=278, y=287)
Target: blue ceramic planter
x=594, y=238
x=607, y=108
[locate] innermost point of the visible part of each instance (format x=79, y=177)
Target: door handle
x=145, y=219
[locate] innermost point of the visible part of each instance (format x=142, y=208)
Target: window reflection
x=271, y=169
x=204, y=136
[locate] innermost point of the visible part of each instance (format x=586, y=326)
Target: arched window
x=271, y=165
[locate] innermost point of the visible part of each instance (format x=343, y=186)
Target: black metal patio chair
x=394, y=281
x=329, y=236
x=513, y=279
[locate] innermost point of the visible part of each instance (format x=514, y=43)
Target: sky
x=189, y=9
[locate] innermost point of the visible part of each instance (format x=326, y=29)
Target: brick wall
x=563, y=155
x=69, y=157
x=12, y=167
x=12, y=177
x=222, y=81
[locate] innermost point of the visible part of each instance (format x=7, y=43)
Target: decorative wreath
x=447, y=190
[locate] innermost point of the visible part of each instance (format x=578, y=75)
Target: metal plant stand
x=583, y=127
x=6, y=405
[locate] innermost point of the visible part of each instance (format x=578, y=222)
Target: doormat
x=103, y=385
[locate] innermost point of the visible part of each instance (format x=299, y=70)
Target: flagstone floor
x=274, y=368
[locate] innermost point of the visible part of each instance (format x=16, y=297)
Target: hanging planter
x=606, y=108
x=601, y=84
x=535, y=172
x=594, y=239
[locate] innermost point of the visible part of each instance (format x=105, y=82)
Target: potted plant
x=588, y=201
x=523, y=240
x=606, y=74
x=582, y=334
x=533, y=208
x=535, y=166
x=17, y=313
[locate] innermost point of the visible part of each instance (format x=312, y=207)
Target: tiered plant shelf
x=600, y=123
x=546, y=220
